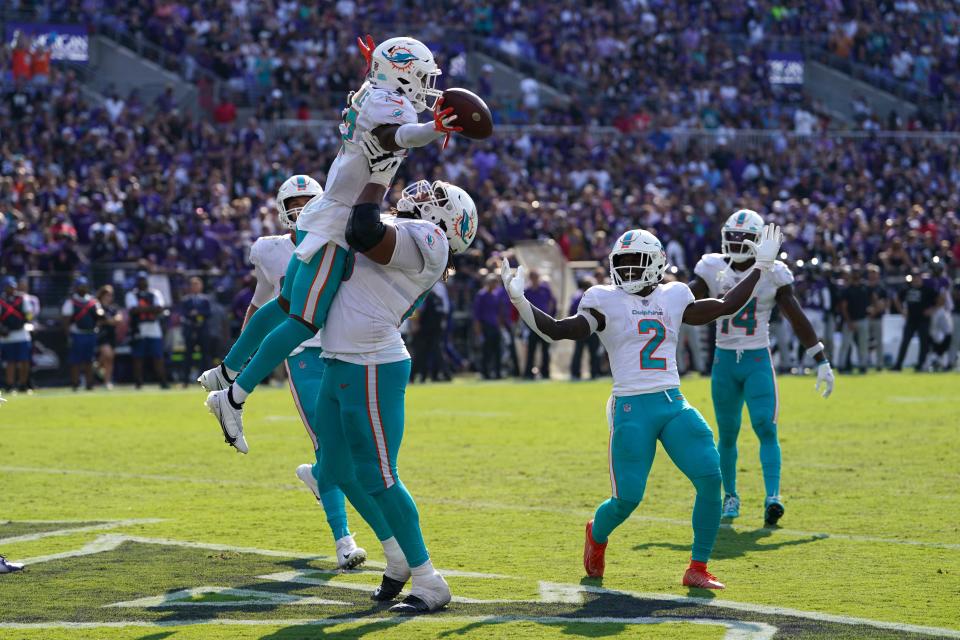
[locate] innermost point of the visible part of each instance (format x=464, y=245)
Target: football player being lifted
x=400, y=83
x=742, y=366
x=638, y=320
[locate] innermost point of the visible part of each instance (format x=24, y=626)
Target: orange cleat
x=699, y=577
x=593, y=554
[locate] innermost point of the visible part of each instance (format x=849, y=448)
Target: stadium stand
x=107, y=187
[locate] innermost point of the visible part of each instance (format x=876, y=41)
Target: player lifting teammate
x=742, y=366
x=400, y=83
x=638, y=320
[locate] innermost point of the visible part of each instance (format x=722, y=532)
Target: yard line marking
x=686, y=523
x=783, y=611
x=112, y=524
x=148, y=476
x=482, y=505
x=111, y=541
x=736, y=630
x=251, y=597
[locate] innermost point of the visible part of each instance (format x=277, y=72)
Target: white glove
x=824, y=376
x=769, y=246
x=515, y=282
x=383, y=163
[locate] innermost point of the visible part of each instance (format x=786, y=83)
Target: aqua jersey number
x=647, y=361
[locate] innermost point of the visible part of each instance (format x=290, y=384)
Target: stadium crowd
x=145, y=185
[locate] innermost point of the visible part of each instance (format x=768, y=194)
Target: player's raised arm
x=578, y=327
x=709, y=309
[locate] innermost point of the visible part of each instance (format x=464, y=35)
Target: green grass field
x=138, y=522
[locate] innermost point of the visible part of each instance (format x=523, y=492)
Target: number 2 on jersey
x=647, y=361
x=746, y=319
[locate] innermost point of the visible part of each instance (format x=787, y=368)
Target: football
x=473, y=114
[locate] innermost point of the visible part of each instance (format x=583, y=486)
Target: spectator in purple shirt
x=540, y=296
x=591, y=344
x=488, y=315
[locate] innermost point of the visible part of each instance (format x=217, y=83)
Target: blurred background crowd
x=146, y=197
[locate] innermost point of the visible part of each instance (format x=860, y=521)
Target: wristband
x=815, y=349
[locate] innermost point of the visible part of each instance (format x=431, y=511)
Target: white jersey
x=370, y=107
x=269, y=256
x=363, y=325
x=640, y=334
x=748, y=328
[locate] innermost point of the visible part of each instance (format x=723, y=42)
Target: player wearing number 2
x=742, y=367
x=638, y=320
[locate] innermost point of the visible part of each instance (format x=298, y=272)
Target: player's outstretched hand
x=443, y=121
x=824, y=377
x=513, y=281
x=766, y=250
x=366, y=49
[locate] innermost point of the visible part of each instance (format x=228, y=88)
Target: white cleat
x=9, y=567
x=230, y=418
x=214, y=379
x=349, y=555
x=305, y=473
x=428, y=594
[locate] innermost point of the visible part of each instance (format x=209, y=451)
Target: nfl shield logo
x=627, y=408
x=644, y=302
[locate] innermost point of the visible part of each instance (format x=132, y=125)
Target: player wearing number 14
x=742, y=368
x=638, y=320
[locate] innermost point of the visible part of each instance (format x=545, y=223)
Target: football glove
x=825, y=377
x=515, y=282
x=443, y=121
x=366, y=50
x=383, y=163
x=769, y=246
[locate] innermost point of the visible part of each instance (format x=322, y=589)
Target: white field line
x=108, y=542
x=736, y=630
x=113, y=524
x=252, y=597
x=481, y=505
x=686, y=523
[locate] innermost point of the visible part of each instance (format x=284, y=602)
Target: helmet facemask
x=425, y=96
x=289, y=215
x=635, y=271
x=733, y=245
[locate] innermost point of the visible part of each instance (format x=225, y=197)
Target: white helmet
x=293, y=187
x=652, y=264
x=742, y=225
x=445, y=205
x=406, y=65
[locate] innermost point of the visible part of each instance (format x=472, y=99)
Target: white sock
x=238, y=394
x=345, y=541
x=396, y=561
x=230, y=372
x=426, y=569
